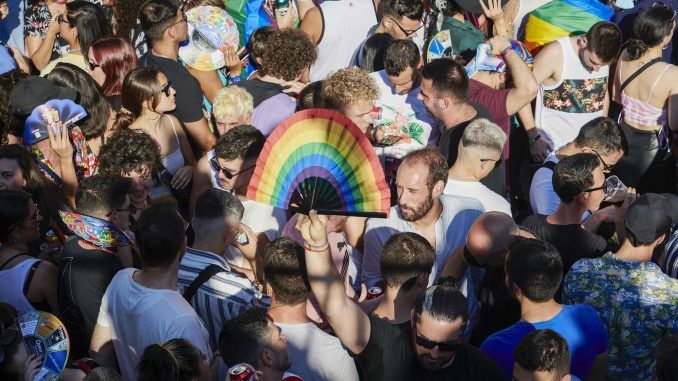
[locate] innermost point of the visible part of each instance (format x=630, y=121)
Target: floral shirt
x=638, y=304
x=36, y=21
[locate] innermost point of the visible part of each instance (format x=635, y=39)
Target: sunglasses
x=92, y=65
x=166, y=88
x=214, y=163
x=605, y=188
x=445, y=346
x=606, y=167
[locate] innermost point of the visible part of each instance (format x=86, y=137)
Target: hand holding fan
x=94, y=230
x=318, y=159
x=440, y=46
x=45, y=336
x=52, y=114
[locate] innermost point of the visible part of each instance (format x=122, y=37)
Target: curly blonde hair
x=232, y=101
x=349, y=86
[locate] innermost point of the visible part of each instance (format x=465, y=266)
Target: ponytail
x=635, y=48
x=123, y=119
x=175, y=360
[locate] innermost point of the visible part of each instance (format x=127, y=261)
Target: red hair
x=116, y=57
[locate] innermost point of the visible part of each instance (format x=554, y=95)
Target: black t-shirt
x=572, y=241
x=84, y=276
x=389, y=356
x=448, y=145
x=189, y=94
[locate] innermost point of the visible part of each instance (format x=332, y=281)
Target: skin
x=360, y=114
x=141, y=186
x=227, y=123
x=520, y=374
x=11, y=176
x=240, y=181
x=98, y=74
x=405, y=81
x=390, y=25
x=435, y=330
x=39, y=50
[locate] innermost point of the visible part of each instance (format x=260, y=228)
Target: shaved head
x=489, y=237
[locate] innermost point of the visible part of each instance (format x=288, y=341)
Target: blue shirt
x=578, y=324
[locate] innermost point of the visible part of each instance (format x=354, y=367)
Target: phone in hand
x=389, y=140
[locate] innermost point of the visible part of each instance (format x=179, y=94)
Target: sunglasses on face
x=606, y=167
x=229, y=175
x=445, y=346
x=166, y=88
x=92, y=65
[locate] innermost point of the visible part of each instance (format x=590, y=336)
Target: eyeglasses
x=166, y=88
x=92, y=65
x=214, y=163
x=604, y=188
x=606, y=168
x=445, y=346
x=183, y=19
x=131, y=209
x=406, y=32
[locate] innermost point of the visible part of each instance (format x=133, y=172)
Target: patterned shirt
x=638, y=304
x=223, y=297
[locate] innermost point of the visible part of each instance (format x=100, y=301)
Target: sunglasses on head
x=444, y=346
x=166, y=88
x=214, y=163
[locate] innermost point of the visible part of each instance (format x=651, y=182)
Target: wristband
x=234, y=79
x=316, y=248
x=532, y=141
x=505, y=51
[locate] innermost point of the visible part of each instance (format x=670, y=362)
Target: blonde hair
x=349, y=86
x=232, y=101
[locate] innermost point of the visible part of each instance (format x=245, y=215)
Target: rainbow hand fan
x=318, y=159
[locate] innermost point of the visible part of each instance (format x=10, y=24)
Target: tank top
x=345, y=25
x=12, y=290
x=642, y=112
x=578, y=97
x=172, y=163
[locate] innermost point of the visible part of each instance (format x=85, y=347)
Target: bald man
x=485, y=252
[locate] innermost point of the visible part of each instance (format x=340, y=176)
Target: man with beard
x=252, y=338
x=431, y=348
x=423, y=209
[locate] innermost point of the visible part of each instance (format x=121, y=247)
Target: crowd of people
x=533, y=227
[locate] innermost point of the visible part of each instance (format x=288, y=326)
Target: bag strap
x=638, y=72
x=548, y=164
x=207, y=273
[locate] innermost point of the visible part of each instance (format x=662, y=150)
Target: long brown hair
x=140, y=85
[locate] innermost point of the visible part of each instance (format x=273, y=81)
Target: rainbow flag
x=561, y=18
x=249, y=15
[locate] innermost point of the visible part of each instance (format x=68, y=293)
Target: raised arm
x=312, y=24
x=349, y=322
x=526, y=86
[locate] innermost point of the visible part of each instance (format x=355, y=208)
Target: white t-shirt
x=543, y=199
x=404, y=116
x=261, y=218
x=316, y=355
x=138, y=316
x=492, y=202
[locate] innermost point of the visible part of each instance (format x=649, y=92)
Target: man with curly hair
x=352, y=92
x=284, y=64
x=134, y=155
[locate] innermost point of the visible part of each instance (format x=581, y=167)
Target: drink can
x=374, y=292
x=240, y=372
x=282, y=6
x=51, y=237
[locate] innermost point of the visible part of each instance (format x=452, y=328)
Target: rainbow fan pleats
x=318, y=159
x=561, y=18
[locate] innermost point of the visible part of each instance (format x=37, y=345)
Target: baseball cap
x=33, y=91
x=473, y=6
x=650, y=216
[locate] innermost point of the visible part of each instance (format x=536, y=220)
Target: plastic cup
x=616, y=190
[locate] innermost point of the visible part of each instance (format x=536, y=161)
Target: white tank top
x=578, y=97
x=12, y=289
x=346, y=24
x=172, y=163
